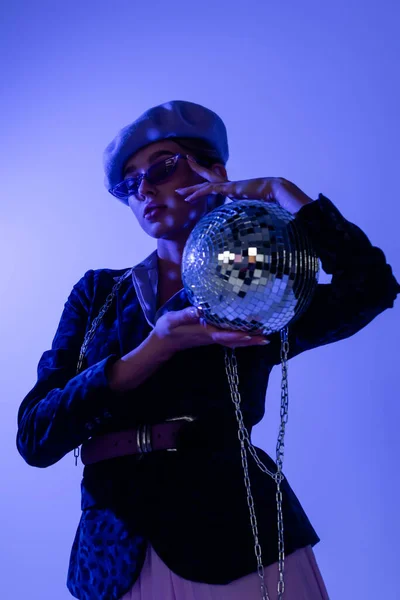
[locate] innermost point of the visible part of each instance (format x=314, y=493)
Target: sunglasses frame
x=124, y=196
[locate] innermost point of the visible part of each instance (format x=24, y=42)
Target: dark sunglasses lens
x=127, y=187
x=156, y=173
x=161, y=170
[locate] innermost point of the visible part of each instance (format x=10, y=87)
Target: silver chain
x=243, y=435
x=90, y=334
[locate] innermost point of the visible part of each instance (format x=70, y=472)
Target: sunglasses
x=154, y=174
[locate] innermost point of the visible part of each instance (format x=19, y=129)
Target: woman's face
x=172, y=218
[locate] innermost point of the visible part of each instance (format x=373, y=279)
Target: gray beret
x=166, y=121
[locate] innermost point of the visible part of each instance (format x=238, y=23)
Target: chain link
x=90, y=334
x=243, y=435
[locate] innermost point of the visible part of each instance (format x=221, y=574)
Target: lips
x=152, y=210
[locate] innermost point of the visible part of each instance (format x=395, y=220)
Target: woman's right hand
x=173, y=331
x=182, y=329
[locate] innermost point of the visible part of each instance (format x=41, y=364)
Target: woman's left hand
x=270, y=189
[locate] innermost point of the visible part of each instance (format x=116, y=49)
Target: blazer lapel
x=178, y=302
x=132, y=325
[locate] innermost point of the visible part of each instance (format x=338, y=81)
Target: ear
x=219, y=169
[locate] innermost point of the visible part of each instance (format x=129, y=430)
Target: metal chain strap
x=243, y=435
x=90, y=334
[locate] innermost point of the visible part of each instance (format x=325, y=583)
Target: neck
x=170, y=251
x=169, y=263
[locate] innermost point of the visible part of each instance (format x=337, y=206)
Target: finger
x=207, y=190
x=192, y=188
x=227, y=337
x=245, y=344
x=208, y=174
x=238, y=338
x=198, y=194
x=185, y=316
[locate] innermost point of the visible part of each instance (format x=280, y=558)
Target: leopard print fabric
x=105, y=558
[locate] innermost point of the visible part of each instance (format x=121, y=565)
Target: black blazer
x=191, y=504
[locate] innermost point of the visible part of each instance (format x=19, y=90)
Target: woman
x=164, y=509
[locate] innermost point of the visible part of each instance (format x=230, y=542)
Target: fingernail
x=246, y=337
x=179, y=190
x=264, y=342
x=190, y=157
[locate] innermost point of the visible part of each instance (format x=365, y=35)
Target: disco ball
x=248, y=265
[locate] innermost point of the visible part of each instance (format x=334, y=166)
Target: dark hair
x=205, y=154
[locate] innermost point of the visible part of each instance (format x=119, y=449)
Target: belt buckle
x=187, y=418
x=143, y=439
x=143, y=435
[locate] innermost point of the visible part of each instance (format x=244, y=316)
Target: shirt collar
x=144, y=277
x=148, y=263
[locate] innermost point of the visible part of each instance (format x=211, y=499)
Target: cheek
x=189, y=214
x=195, y=213
x=134, y=207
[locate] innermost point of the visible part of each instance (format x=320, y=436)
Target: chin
x=163, y=231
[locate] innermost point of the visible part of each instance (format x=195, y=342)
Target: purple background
x=308, y=92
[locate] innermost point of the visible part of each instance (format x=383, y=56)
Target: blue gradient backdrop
x=309, y=92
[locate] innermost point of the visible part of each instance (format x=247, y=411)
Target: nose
x=144, y=189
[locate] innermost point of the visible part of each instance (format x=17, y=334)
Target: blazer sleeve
x=362, y=284
x=63, y=408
